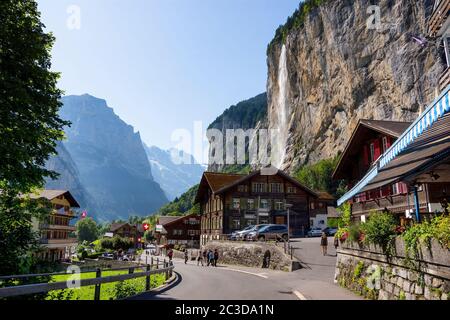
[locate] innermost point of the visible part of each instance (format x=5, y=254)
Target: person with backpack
x=186, y=256
x=210, y=258
x=216, y=257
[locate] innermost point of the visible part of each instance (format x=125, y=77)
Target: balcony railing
x=59, y=241
x=444, y=81
x=47, y=226
x=438, y=17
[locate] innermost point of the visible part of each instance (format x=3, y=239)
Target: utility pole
x=288, y=207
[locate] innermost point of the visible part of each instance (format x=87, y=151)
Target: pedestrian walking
x=205, y=256
x=170, y=254
x=210, y=257
x=324, y=243
x=186, y=256
x=200, y=257
x=336, y=242
x=216, y=257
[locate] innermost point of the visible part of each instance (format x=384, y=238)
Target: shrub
x=354, y=233
x=380, y=229
x=438, y=228
x=107, y=244
x=125, y=289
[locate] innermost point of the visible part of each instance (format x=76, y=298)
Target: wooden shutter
x=377, y=149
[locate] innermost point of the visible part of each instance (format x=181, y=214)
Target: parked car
x=244, y=235
x=270, y=232
x=330, y=231
x=315, y=232
x=237, y=235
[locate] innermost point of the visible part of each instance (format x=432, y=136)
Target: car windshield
x=248, y=228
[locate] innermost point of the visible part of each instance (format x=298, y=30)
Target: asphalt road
x=222, y=283
x=315, y=281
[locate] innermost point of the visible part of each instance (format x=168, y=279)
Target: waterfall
x=282, y=113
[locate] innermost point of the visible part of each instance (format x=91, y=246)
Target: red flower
x=344, y=236
x=400, y=229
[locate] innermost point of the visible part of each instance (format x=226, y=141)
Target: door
x=280, y=220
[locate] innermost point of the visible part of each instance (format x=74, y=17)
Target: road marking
x=299, y=295
x=262, y=275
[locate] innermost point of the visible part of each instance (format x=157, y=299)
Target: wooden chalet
x=56, y=234
x=230, y=202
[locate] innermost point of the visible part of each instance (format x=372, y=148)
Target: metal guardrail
x=150, y=269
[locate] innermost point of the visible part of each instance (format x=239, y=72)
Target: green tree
x=29, y=126
x=86, y=230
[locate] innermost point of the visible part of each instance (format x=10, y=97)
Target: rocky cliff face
x=174, y=178
x=69, y=178
x=247, y=114
x=332, y=70
x=111, y=160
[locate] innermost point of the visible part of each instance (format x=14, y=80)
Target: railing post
x=98, y=274
x=151, y=262
x=131, y=270
x=157, y=263
x=147, y=279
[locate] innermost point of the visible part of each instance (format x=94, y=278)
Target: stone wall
x=251, y=254
x=368, y=271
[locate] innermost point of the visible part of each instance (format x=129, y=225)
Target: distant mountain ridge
x=111, y=162
x=173, y=178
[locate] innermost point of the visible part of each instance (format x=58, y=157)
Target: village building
x=320, y=209
x=230, y=202
x=57, y=237
x=126, y=230
x=183, y=230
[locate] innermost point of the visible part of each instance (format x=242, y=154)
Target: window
x=291, y=190
x=236, y=203
x=264, y=204
x=242, y=188
x=447, y=50
x=385, y=144
x=279, y=205
x=276, y=187
x=312, y=205
x=235, y=223
x=320, y=205
x=372, y=152
x=259, y=187
x=250, y=204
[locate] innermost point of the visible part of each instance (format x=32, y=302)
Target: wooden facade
x=57, y=237
x=126, y=230
x=231, y=202
x=180, y=230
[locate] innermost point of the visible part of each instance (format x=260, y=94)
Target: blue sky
x=163, y=64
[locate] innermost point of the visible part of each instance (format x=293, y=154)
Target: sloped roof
x=163, y=220
x=325, y=195
x=179, y=218
x=393, y=129
x=53, y=194
x=117, y=226
x=221, y=182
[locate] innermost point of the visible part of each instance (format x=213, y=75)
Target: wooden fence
x=149, y=269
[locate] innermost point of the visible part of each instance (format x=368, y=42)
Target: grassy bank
x=109, y=291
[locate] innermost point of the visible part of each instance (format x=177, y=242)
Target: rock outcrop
x=332, y=70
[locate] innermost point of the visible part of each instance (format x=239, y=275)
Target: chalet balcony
x=68, y=241
x=47, y=226
x=438, y=17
